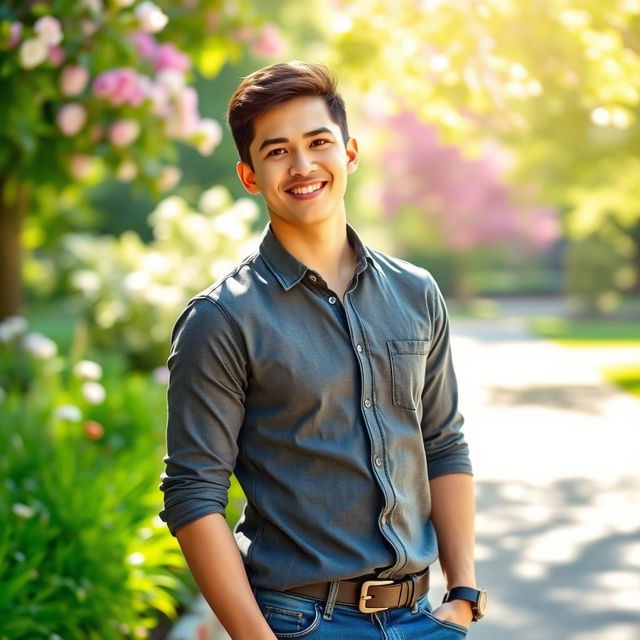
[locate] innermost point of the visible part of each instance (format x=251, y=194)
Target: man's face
x=300, y=163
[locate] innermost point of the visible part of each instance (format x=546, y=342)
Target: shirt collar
x=290, y=271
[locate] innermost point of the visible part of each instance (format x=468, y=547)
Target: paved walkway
x=556, y=452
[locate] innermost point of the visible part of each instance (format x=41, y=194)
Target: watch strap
x=474, y=596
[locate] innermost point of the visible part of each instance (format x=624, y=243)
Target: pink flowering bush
x=108, y=81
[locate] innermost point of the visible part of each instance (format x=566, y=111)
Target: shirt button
x=313, y=278
x=384, y=519
x=378, y=461
x=359, y=348
x=332, y=300
x=367, y=403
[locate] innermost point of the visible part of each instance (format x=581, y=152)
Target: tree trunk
x=14, y=199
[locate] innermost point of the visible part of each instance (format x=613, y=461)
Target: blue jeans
x=291, y=616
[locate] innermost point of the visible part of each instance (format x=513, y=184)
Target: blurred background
x=499, y=149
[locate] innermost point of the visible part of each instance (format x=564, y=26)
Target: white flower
x=93, y=392
x=246, y=209
x=87, y=370
x=23, y=510
x=172, y=81
x=214, y=200
x=135, y=559
x=39, y=346
x=33, y=51
x=150, y=18
x=18, y=556
x=12, y=327
x=94, y=6
x=208, y=136
x=49, y=30
x=68, y=412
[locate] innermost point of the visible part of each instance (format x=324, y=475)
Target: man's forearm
x=453, y=515
x=215, y=562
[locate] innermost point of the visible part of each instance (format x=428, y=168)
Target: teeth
x=308, y=189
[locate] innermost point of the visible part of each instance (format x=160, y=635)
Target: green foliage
x=557, y=82
x=132, y=293
x=596, y=273
x=82, y=551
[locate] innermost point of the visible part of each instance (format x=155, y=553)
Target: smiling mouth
x=307, y=189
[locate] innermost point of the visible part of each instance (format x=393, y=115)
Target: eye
x=276, y=152
x=320, y=142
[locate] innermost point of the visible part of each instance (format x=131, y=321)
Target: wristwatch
x=477, y=598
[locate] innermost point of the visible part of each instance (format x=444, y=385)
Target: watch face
x=481, y=605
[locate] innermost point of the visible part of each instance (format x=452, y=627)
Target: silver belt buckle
x=364, y=595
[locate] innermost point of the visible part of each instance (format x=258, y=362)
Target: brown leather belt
x=371, y=595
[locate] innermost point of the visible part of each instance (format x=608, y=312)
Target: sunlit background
x=499, y=148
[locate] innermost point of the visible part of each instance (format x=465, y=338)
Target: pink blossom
x=15, y=35
x=89, y=27
x=127, y=170
x=150, y=18
x=71, y=118
x=183, y=122
x=168, y=178
x=119, y=86
x=49, y=30
x=56, y=55
x=123, y=132
x=208, y=136
x=159, y=97
x=79, y=165
x=73, y=80
x=168, y=56
x=145, y=44
x=269, y=42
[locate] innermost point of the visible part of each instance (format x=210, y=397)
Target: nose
x=301, y=164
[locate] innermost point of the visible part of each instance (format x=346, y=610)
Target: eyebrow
x=310, y=134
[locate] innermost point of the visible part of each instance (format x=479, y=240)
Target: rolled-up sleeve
x=446, y=448
x=207, y=384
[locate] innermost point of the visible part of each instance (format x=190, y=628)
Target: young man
x=319, y=372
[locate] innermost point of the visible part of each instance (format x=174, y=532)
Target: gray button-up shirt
x=332, y=416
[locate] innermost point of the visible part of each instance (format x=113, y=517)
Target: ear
x=353, y=157
x=248, y=178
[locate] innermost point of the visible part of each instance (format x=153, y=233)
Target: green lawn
x=625, y=376
x=587, y=333
x=593, y=333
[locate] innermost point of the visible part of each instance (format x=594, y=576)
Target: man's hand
x=458, y=611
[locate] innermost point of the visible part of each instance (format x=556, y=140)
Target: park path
x=556, y=452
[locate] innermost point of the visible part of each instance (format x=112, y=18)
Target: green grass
x=587, y=333
x=596, y=333
x=625, y=376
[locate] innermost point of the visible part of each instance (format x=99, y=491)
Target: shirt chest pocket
x=408, y=360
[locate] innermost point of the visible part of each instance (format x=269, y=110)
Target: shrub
x=132, y=293
x=83, y=554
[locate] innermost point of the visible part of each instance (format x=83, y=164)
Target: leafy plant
x=83, y=554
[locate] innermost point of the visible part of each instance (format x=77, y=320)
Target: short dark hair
x=272, y=86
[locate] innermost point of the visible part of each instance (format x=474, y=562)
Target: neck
x=322, y=247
